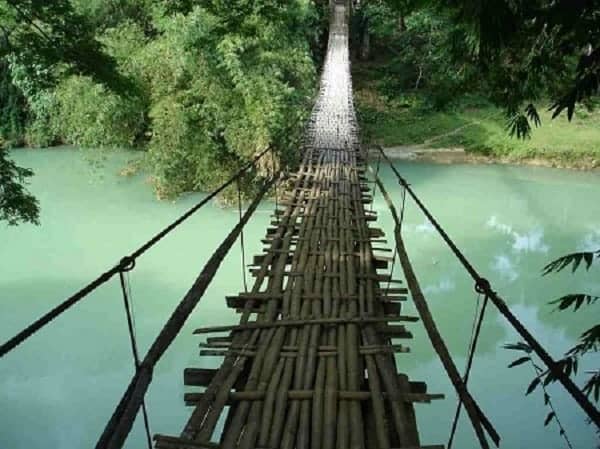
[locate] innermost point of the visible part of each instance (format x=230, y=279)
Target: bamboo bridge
x=312, y=362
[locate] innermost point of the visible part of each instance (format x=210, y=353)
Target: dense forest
x=201, y=86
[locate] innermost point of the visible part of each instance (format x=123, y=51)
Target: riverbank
x=461, y=156
x=468, y=130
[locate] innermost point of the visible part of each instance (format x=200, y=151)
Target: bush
x=90, y=116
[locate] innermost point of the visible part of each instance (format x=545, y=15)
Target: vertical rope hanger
x=374, y=190
x=242, y=245
x=395, y=256
x=475, y=333
x=126, y=290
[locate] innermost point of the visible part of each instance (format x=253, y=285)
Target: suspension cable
x=485, y=287
x=34, y=327
x=121, y=421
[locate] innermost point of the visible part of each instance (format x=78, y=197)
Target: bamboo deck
x=311, y=363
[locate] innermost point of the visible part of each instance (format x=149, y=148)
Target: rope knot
x=126, y=264
x=483, y=286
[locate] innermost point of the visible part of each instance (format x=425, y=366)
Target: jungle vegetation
x=199, y=87
x=481, y=75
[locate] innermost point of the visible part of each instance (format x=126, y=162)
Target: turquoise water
x=59, y=388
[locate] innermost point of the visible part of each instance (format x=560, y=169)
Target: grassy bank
x=392, y=119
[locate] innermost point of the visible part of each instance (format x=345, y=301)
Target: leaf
x=577, y=299
x=589, y=259
x=519, y=361
x=549, y=418
x=520, y=346
x=592, y=386
x=533, y=115
x=563, y=262
x=532, y=386
x=576, y=264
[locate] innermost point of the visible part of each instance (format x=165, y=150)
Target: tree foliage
x=200, y=87
x=519, y=54
x=529, y=50
x=16, y=203
x=589, y=341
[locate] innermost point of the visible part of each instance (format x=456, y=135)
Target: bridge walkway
x=312, y=361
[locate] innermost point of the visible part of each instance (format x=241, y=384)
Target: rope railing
x=478, y=420
x=125, y=264
x=484, y=287
x=123, y=417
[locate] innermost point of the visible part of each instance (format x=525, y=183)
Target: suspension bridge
x=312, y=361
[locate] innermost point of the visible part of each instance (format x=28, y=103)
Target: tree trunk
x=365, y=42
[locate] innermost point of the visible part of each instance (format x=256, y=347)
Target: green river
x=58, y=389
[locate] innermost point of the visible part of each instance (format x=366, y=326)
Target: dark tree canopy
x=529, y=49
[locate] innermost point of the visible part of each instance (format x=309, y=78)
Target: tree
x=51, y=36
x=530, y=49
x=589, y=341
x=16, y=203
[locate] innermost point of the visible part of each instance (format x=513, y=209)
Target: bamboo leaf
x=519, y=361
x=589, y=259
x=520, y=346
x=549, y=418
x=532, y=386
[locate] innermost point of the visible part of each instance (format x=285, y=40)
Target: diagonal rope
x=123, y=417
x=41, y=322
x=484, y=286
x=126, y=290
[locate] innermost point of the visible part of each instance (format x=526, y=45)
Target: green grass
x=473, y=124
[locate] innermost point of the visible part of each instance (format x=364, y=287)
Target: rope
x=399, y=224
x=403, y=208
x=475, y=333
x=242, y=245
x=34, y=327
x=121, y=421
x=374, y=190
x=389, y=284
x=126, y=289
x=276, y=203
x=484, y=287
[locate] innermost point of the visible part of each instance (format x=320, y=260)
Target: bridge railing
x=483, y=287
x=132, y=401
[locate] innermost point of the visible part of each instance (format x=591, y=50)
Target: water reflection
x=443, y=286
x=531, y=241
x=503, y=265
x=591, y=241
